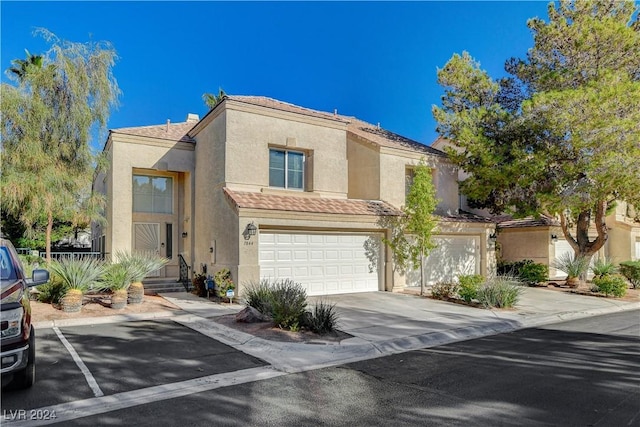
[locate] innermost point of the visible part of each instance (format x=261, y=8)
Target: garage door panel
x=453, y=256
x=322, y=263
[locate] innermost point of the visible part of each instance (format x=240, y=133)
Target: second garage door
x=453, y=256
x=323, y=263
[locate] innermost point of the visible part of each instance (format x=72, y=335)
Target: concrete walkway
x=383, y=323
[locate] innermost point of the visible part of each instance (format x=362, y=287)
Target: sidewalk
x=380, y=323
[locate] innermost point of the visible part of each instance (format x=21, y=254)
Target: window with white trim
x=152, y=194
x=286, y=169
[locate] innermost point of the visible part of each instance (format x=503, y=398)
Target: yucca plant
x=117, y=278
x=77, y=276
x=139, y=265
x=603, y=267
x=573, y=266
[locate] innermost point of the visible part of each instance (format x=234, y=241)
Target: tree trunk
x=421, y=275
x=581, y=245
x=48, y=237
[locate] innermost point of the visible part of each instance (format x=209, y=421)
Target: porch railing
x=184, y=273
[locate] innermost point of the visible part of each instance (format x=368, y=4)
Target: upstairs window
x=152, y=194
x=409, y=175
x=286, y=169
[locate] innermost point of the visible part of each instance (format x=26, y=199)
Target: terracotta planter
x=135, y=293
x=573, y=282
x=72, y=301
x=119, y=299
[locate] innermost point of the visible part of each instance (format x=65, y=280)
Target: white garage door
x=323, y=263
x=454, y=256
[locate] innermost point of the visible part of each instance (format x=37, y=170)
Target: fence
x=72, y=255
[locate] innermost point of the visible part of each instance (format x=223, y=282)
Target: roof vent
x=378, y=126
x=192, y=118
x=335, y=112
x=168, y=123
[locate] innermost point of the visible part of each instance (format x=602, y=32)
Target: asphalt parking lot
x=84, y=362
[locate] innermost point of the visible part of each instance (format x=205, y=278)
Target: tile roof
x=529, y=222
x=387, y=138
x=356, y=126
x=264, y=101
x=172, y=131
x=465, y=217
x=251, y=200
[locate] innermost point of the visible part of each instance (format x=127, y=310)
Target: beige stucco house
x=268, y=189
x=541, y=239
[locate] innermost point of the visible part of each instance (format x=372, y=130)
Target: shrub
x=603, y=267
x=631, y=270
x=199, y=287
x=444, y=290
x=612, y=284
x=258, y=296
x=500, y=292
x=469, y=285
x=116, y=276
x=223, y=282
x=322, y=319
x=30, y=262
x=512, y=268
x=51, y=292
x=534, y=273
x=288, y=303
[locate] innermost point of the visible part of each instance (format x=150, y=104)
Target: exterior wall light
x=493, y=237
x=554, y=237
x=250, y=230
x=184, y=234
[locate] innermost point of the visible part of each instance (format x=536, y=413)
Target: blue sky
x=373, y=60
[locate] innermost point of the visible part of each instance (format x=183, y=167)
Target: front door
x=146, y=238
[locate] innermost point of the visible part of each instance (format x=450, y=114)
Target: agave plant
x=117, y=278
x=573, y=266
x=139, y=265
x=77, y=276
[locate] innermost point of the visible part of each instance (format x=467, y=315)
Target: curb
x=102, y=320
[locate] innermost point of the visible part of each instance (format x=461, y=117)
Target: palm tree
x=21, y=67
x=139, y=265
x=212, y=100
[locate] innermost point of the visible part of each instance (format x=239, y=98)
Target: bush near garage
x=469, y=285
x=534, y=273
x=285, y=301
x=631, y=270
x=526, y=270
x=500, y=292
x=612, y=284
x=444, y=290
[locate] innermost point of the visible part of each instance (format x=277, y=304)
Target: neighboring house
x=541, y=239
x=268, y=189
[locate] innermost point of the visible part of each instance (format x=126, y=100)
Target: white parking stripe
x=114, y=402
x=83, y=368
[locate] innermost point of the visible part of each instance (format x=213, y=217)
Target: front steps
x=157, y=285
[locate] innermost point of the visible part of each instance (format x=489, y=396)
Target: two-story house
x=268, y=189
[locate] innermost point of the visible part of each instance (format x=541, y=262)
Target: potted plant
x=117, y=278
x=573, y=266
x=77, y=277
x=139, y=265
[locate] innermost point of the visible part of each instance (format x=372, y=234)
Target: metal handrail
x=184, y=273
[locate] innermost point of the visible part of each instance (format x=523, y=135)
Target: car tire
x=27, y=376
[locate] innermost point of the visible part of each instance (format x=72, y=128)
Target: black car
x=17, y=343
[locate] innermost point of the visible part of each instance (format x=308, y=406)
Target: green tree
x=411, y=235
x=47, y=119
x=559, y=136
x=211, y=100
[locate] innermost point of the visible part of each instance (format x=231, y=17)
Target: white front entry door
x=322, y=263
x=146, y=238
